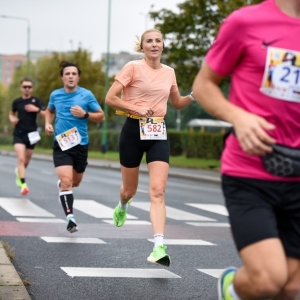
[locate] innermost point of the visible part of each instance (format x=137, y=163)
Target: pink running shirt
x=247, y=47
x=146, y=86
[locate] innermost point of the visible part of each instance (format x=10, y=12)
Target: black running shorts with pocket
x=262, y=209
x=75, y=156
x=132, y=148
x=21, y=137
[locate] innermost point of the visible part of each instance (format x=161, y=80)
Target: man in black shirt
x=23, y=115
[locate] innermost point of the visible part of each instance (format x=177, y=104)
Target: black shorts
x=132, y=148
x=75, y=156
x=22, y=138
x=262, y=209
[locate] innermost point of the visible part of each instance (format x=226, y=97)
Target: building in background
x=118, y=60
x=8, y=65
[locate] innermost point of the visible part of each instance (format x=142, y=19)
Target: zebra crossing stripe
x=214, y=208
x=23, y=208
x=40, y=220
x=95, y=209
x=199, y=224
x=173, y=213
x=118, y=272
x=73, y=240
x=130, y=222
x=212, y=272
x=185, y=242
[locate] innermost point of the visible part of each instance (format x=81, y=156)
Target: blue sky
x=63, y=25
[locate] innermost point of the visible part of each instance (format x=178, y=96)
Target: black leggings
x=132, y=148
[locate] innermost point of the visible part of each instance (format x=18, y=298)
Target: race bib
x=33, y=137
x=153, y=128
x=281, y=78
x=68, y=139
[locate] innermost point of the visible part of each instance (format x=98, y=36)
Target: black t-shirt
x=27, y=120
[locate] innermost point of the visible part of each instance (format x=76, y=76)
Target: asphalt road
x=102, y=261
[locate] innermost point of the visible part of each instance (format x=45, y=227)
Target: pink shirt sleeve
x=224, y=54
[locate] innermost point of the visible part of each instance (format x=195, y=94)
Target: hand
x=49, y=129
x=14, y=120
x=145, y=111
x=251, y=131
x=32, y=108
x=77, y=111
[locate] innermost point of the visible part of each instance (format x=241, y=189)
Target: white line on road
x=212, y=272
x=128, y=273
x=185, y=242
x=214, y=208
x=130, y=222
x=95, y=209
x=173, y=213
x=23, y=208
x=75, y=240
x=40, y=220
x=208, y=224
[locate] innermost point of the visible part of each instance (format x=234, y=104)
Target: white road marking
x=130, y=222
x=208, y=224
x=214, y=208
x=142, y=191
x=96, y=209
x=40, y=220
x=185, y=242
x=212, y=272
x=128, y=273
x=23, y=208
x=74, y=240
x=173, y=213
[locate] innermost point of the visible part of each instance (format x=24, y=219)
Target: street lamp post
x=28, y=38
x=104, y=127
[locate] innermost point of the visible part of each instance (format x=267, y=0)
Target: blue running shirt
x=61, y=102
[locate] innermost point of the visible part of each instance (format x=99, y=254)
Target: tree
x=189, y=34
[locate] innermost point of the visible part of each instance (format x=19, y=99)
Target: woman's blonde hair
x=139, y=40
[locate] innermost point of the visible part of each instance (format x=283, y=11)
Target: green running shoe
x=120, y=215
x=18, y=180
x=225, y=280
x=159, y=256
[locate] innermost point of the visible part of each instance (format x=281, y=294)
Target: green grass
x=175, y=161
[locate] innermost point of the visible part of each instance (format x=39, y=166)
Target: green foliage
x=190, y=33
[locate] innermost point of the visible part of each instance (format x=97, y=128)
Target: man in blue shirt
x=71, y=107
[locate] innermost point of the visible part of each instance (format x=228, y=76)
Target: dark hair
x=26, y=79
x=64, y=64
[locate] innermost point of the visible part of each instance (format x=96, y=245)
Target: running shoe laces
x=71, y=224
x=224, y=281
x=18, y=180
x=119, y=215
x=159, y=256
x=24, y=189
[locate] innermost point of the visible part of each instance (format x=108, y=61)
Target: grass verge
x=175, y=161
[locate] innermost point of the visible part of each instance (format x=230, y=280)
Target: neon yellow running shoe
x=224, y=281
x=159, y=256
x=18, y=180
x=120, y=215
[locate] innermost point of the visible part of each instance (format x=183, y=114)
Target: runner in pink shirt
x=146, y=85
x=258, y=48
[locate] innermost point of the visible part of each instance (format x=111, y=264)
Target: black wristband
x=86, y=116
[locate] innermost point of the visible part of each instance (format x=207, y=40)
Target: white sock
x=233, y=293
x=123, y=206
x=158, y=240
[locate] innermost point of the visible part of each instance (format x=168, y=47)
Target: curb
x=11, y=285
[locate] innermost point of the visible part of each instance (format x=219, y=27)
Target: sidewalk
x=11, y=285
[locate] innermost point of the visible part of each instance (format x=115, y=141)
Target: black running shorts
x=132, y=148
x=22, y=138
x=262, y=209
x=75, y=156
